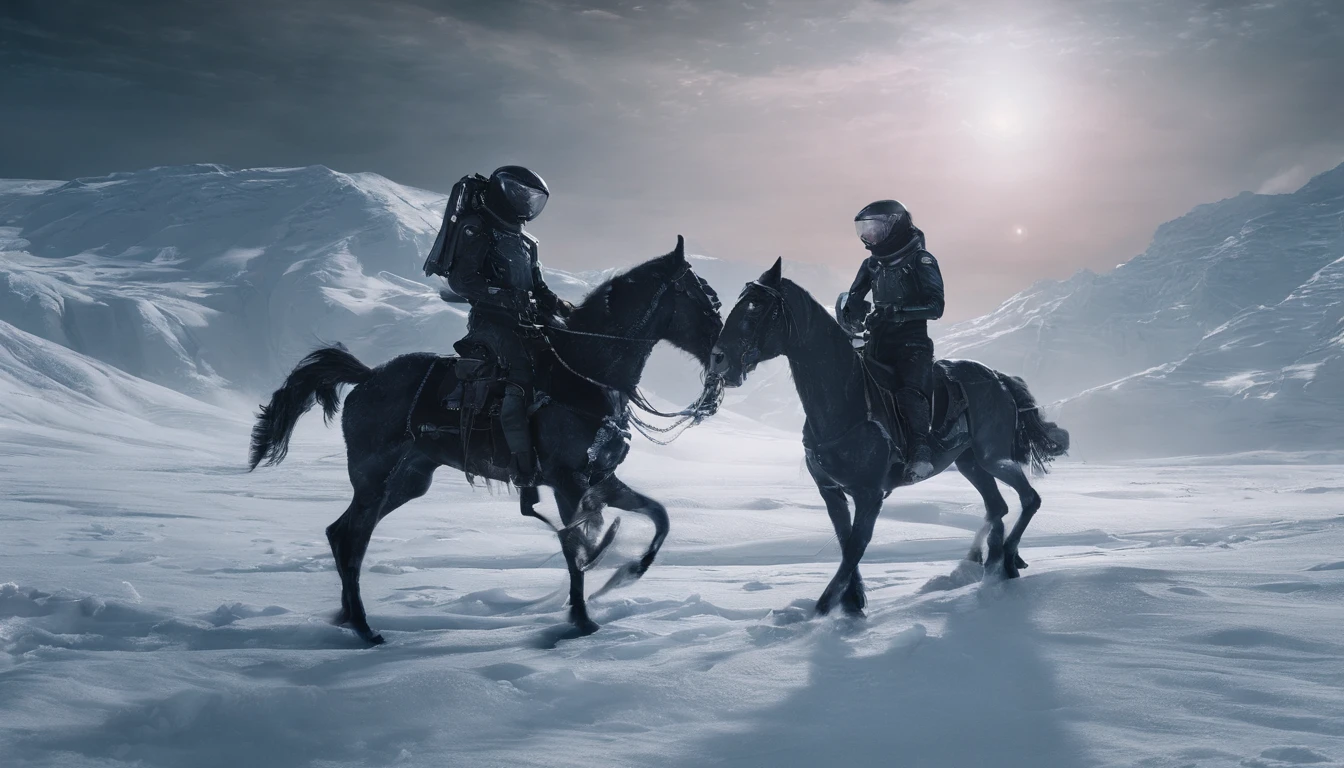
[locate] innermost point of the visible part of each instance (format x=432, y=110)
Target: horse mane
x=595, y=311
x=608, y=310
x=819, y=319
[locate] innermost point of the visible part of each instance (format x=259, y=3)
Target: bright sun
x=1004, y=123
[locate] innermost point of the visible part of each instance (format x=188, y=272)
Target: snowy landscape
x=163, y=607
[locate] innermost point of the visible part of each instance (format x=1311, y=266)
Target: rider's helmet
x=516, y=194
x=882, y=222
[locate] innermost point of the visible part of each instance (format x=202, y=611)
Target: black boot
x=916, y=410
x=518, y=434
x=921, y=459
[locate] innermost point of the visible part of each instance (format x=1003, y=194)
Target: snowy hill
x=54, y=397
x=1224, y=335
x=203, y=278
x=200, y=278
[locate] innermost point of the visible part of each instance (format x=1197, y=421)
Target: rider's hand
x=857, y=310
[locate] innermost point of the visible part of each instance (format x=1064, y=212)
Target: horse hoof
x=367, y=634
x=371, y=637
x=586, y=627
x=1019, y=561
x=341, y=618
x=823, y=606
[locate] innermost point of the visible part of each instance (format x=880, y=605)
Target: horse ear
x=772, y=275
x=679, y=253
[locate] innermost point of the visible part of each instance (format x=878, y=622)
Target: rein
x=703, y=407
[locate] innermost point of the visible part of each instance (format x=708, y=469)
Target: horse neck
x=618, y=364
x=824, y=365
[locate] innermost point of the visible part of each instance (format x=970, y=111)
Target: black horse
x=592, y=370
x=853, y=446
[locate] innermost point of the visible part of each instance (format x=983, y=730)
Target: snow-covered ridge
x=200, y=277
x=54, y=397
x=204, y=279
x=209, y=280
x=1222, y=336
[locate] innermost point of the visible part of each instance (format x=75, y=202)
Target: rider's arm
x=929, y=279
x=467, y=276
x=547, y=301
x=549, y=304
x=856, y=308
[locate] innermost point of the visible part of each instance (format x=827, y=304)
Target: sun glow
x=1002, y=121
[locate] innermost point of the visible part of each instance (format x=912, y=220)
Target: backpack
x=463, y=201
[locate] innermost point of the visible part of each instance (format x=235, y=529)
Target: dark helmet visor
x=526, y=201
x=875, y=230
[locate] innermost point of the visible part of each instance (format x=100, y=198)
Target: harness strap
x=416, y=400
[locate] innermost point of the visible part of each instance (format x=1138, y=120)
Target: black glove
x=851, y=312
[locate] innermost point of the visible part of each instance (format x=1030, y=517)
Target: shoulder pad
x=926, y=258
x=531, y=241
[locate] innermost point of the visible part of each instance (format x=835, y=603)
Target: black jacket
x=907, y=290
x=496, y=268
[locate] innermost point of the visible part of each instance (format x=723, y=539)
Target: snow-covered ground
x=161, y=607
x=164, y=608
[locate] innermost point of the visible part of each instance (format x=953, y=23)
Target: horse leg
x=977, y=552
x=1012, y=475
x=867, y=506
x=613, y=492
x=995, y=510
x=335, y=538
x=567, y=497
x=837, y=507
x=349, y=535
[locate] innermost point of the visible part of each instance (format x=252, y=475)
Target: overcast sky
x=1030, y=138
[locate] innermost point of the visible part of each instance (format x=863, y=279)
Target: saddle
x=456, y=392
x=450, y=401
x=950, y=425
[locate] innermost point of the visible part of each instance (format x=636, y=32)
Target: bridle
x=778, y=307
x=710, y=397
x=710, y=301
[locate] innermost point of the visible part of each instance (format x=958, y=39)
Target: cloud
x=755, y=128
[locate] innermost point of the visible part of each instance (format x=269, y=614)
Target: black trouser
x=506, y=344
x=910, y=356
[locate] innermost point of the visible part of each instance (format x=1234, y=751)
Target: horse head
x=756, y=329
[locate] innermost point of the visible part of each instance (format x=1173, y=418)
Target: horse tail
x=1037, y=441
x=316, y=379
